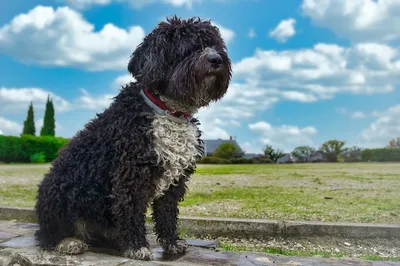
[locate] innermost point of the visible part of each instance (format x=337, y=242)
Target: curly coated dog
x=140, y=151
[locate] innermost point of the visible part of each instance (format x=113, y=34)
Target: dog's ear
x=136, y=62
x=149, y=63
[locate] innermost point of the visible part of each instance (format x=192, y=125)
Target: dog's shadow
x=158, y=253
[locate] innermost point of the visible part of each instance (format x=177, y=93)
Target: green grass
x=279, y=251
x=299, y=203
x=286, y=252
x=18, y=195
x=361, y=192
x=379, y=258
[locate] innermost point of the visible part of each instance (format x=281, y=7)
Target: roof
x=251, y=155
x=210, y=145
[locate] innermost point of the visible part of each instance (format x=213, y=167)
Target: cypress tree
x=49, y=122
x=29, y=123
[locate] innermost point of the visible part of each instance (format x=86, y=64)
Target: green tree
x=394, y=143
x=273, y=154
x=228, y=150
x=352, y=154
x=303, y=153
x=49, y=122
x=29, y=123
x=332, y=149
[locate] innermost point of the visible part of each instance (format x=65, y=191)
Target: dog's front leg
x=165, y=216
x=130, y=202
x=130, y=231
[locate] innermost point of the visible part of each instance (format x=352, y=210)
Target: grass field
x=359, y=192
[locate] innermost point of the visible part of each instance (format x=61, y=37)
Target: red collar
x=164, y=107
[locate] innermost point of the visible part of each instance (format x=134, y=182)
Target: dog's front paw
x=71, y=246
x=142, y=253
x=177, y=247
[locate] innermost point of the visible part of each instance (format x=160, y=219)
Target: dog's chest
x=175, y=145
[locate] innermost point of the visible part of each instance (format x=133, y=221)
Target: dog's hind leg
x=55, y=223
x=165, y=216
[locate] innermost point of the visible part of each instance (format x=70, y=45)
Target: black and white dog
x=140, y=151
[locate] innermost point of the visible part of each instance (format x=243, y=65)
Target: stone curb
x=252, y=228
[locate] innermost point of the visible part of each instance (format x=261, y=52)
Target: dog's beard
x=203, y=94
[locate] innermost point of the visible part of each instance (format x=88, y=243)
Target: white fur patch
x=175, y=145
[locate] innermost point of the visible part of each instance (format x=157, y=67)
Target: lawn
x=358, y=192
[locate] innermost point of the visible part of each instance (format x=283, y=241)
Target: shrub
x=213, y=160
x=38, y=157
x=228, y=150
x=217, y=160
x=262, y=160
x=381, y=155
x=20, y=149
x=241, y=161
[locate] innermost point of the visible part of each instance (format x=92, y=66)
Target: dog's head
x=184, y=61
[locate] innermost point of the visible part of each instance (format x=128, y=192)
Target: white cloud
x=88, y=101
x=62, y=37
x=251, y=34
x=123, y=80
x=284, y=31
x=18, y=99
x=81, y=4
x=251, y=147
x=358, y=115
x=241, y=102
x=299, y=96
x=227, y=34
x=285, y=137
x=382, y=130
x=341, y=110
x=322, y=71
x=354, y=115
x=358, y=20
x=8, y=127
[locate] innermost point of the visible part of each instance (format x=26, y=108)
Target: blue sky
x=303, y=71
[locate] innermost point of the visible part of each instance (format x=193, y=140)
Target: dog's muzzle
x=213, y=58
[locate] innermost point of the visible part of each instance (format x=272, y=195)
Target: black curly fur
x=106, y=174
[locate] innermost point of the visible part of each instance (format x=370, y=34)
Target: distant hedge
x=27, y=148
x=381, y=155
x=217, y=160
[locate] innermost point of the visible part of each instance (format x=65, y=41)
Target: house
x=210, y=145
x=252, y=155
x=287, y=158
x=317, y=156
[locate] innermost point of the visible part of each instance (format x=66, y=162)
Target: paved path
x=18, y=248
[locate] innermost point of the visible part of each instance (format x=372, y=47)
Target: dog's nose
x=215, y=60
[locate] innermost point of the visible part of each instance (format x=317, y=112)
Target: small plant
x=318, y=181
x=38, y=157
